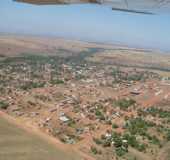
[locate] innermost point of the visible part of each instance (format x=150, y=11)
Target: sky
x=93, y=23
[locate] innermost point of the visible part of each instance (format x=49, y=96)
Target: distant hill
x=110, y=54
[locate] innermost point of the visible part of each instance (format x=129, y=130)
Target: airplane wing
x=133, y=6
x=45, y=2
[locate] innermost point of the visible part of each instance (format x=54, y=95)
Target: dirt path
x=33, y=130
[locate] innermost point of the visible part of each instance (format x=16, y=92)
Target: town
x=108, y=111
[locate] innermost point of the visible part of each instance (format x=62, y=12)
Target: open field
x=11, y=45
x=18, y=144
x=134, y=58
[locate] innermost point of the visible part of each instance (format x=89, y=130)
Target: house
x=64, y=119
x=135, y=91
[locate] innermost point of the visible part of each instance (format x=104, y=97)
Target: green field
x=17, y=144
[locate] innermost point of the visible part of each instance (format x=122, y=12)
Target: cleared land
x=17, y=144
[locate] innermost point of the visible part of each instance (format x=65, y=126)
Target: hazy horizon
x=92, y=23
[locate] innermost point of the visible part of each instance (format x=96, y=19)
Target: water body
x=89, y=23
